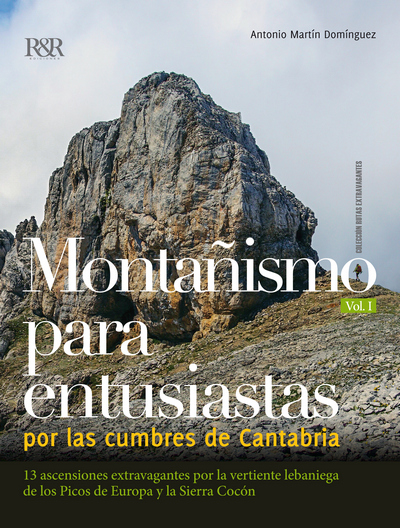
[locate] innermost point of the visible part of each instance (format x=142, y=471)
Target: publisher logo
x=44, y=48
x=358, y=305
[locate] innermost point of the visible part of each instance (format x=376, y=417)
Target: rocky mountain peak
x=27, y=228
x=181, y=97
x=174, y=172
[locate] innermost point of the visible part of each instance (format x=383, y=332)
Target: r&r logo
x=44, y=47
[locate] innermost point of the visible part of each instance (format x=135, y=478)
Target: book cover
x=199, y=285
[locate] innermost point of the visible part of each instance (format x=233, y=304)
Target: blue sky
x=6, y=6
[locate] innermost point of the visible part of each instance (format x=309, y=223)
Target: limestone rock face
x=175, y=172
x=15, y=275
x=6, y=240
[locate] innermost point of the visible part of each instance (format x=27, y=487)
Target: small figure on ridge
x=357, y=271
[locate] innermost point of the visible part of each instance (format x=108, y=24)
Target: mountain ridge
x=178, y=172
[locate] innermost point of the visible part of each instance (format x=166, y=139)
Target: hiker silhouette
x=357, y=271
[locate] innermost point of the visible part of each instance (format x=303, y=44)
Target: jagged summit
x=184, y=91
x=174, y=172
